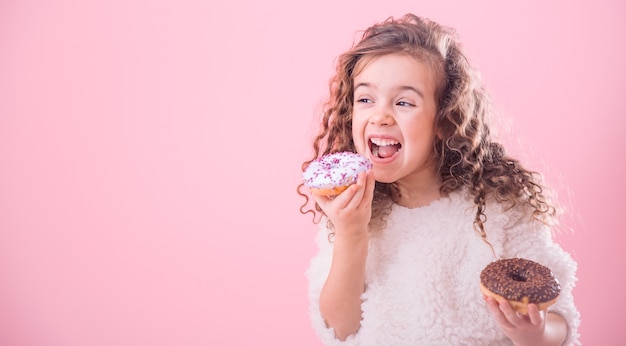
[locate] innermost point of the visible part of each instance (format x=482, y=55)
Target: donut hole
x=518, y=277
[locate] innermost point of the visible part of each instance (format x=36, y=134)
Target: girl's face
x=393, y=120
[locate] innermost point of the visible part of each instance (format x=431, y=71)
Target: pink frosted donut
x=330, y=174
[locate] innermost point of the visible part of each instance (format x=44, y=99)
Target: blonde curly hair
x=465, y=154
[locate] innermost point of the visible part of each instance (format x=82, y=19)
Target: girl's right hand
x=351, y=211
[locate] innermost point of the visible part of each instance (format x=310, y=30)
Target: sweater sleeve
x=533, y=240
x=316, y=274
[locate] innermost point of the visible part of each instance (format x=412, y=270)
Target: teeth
x=383, y=141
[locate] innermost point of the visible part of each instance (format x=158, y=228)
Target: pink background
x=150, y=152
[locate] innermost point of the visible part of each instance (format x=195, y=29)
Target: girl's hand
x=522, y=329
x=350, y=211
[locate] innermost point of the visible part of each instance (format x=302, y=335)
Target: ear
x=438, y=131
x=437, y=125
x=439, y=134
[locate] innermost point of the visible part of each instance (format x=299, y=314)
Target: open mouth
x=384, y=148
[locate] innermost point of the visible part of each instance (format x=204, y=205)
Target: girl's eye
x=363, y=100
x=405, y=104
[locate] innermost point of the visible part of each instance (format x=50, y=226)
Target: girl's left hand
x=522, y=329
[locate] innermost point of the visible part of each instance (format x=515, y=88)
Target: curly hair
x=465, y=154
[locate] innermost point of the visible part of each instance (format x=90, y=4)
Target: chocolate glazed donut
x=521, y=282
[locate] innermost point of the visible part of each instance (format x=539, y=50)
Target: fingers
x=495, y=309
x=370, y=183
x=321, y=200
x=508, y=317
x=357, y=195
x=535, y=315
x=510, y=313
x=358, y=191
x=525, y=329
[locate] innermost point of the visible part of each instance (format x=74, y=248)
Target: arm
x=532, y=239
x=340, y=298
x=556, y=329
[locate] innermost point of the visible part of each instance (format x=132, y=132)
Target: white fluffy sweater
x=422, y=276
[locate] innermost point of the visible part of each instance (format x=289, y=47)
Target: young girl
x=401, y=251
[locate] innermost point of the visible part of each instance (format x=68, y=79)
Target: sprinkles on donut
x=331, y=174
x=521, y=282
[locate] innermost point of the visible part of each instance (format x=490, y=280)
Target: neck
x=419, y=192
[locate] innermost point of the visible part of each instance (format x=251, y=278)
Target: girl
x=401, y=251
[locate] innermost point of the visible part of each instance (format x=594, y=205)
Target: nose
x=382, y=116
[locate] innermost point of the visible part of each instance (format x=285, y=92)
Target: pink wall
x=149, y=153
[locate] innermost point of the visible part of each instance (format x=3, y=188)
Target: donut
x=331, y=174
x=521, y=282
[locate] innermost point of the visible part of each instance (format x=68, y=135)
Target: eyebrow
x=401, y=88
